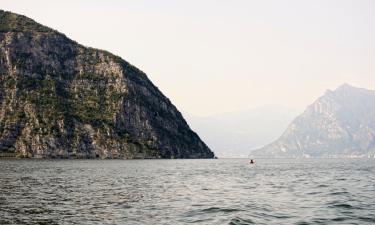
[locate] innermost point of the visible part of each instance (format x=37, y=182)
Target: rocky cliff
x=61, y=99
x=341, y=123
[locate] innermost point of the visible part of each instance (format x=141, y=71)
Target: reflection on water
x=187, y=191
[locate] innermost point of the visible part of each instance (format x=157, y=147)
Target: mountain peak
x=12, y=22
x=345, y=86
x=341, y=123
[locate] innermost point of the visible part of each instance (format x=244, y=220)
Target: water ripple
x=232, y=192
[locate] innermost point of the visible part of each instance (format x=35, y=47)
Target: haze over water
x=211, y=57
x=224, y=191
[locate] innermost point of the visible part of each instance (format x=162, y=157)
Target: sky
x=217, y=56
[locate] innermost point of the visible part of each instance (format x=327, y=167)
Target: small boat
x=252, y=161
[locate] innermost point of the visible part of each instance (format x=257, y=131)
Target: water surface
x=224, y=191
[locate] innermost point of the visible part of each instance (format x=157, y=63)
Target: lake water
x=224, y=191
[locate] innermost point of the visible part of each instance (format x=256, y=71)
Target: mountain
x=61, y=99
x=341, y=123
x=234, y=134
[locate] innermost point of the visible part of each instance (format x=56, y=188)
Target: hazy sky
x=216, y=56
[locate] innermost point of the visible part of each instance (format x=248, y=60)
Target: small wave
x=272, y=216
x=240, y=221
x=339, y=193
x=217, y=209
x=343, y=205
x=339, y=219
x=367, y=219
x=314, y=193
x=193, y=213
x=34, y=211
x=302, y=223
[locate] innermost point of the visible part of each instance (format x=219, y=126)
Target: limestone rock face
x=61, y=99
x=341, y=123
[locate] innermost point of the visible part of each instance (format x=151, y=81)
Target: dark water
x=187, y=192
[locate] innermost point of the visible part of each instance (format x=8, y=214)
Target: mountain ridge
x=341, y=123
x=59, y=98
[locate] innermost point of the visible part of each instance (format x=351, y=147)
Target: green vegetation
x=10, y=22
x=62, y=98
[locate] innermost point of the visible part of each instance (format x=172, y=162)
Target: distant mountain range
x=341, y=123
x=234, y=134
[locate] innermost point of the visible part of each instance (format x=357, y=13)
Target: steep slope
x=61, y=99
x=341, y=123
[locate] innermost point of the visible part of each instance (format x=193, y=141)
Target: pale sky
x=211, y=56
